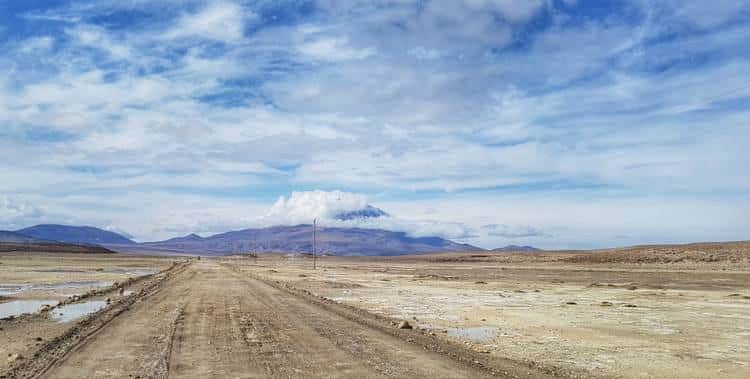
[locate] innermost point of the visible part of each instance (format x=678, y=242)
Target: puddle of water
x=131, y=272
x=479, y=333
x=19, y=307
x=57, y=270
x=84, y=285
x=13, y=289
x=10, y=289
x=71, y=312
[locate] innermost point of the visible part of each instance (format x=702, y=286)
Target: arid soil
x=212, y=319
x=60, y=279
x=676, y=320
x=475, y=315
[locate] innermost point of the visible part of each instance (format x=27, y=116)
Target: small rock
x=606, y=304
x=108, y=300
x=571, y=303
x=632, y=288
x=480, y=282
x=15, y=357
x=38, y=338
x=630, y=306
x=405, y=325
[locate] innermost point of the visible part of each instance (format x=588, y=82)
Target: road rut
x=211, y=321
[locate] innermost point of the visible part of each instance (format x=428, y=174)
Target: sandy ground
x=274, y=317
x=212, y=319
x=592, y=320
x=56, y=276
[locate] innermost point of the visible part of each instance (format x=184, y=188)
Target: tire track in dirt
x=212, y=322
x=493, y=365
x=50, y=354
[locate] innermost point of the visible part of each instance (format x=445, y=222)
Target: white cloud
x=16, y=213
x=219, y=20
x=514, y=11
x=98, y=38
x=333, y=49
x=303, y=207
x=37, y=43
x=705, y=14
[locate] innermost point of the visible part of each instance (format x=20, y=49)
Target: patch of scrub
x=19, y=307
x=479, y=333
x=72, y=312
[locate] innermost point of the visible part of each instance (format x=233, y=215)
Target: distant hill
x=86, y=235
x=337, y=241
x=516, y=248
x=14, y=237
x=52, y=247
x=17, y=242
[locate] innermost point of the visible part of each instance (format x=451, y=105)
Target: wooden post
x=315, y=242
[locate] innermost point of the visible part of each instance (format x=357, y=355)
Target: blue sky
x=558, y=123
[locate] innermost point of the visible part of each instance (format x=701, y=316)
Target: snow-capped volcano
x=367, y=212
x=334, y=206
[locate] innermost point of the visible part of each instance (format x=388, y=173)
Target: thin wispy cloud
x=170, y=117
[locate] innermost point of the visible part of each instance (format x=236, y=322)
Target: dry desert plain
x=643, y=312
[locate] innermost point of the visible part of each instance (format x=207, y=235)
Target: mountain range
x=83, y=235
x=14, y=237
x=281, y=239
x=287, y=239
x=298, y=239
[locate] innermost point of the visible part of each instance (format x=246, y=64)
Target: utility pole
x=315, y=242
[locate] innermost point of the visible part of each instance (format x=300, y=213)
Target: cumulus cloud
x=303, y=207
x=325, y=206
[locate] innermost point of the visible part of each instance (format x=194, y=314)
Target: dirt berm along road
x=209, y=320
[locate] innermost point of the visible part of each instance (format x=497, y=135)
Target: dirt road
x=209, y=320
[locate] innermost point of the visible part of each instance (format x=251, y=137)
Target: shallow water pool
x=71, y=312
x=19, y=307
